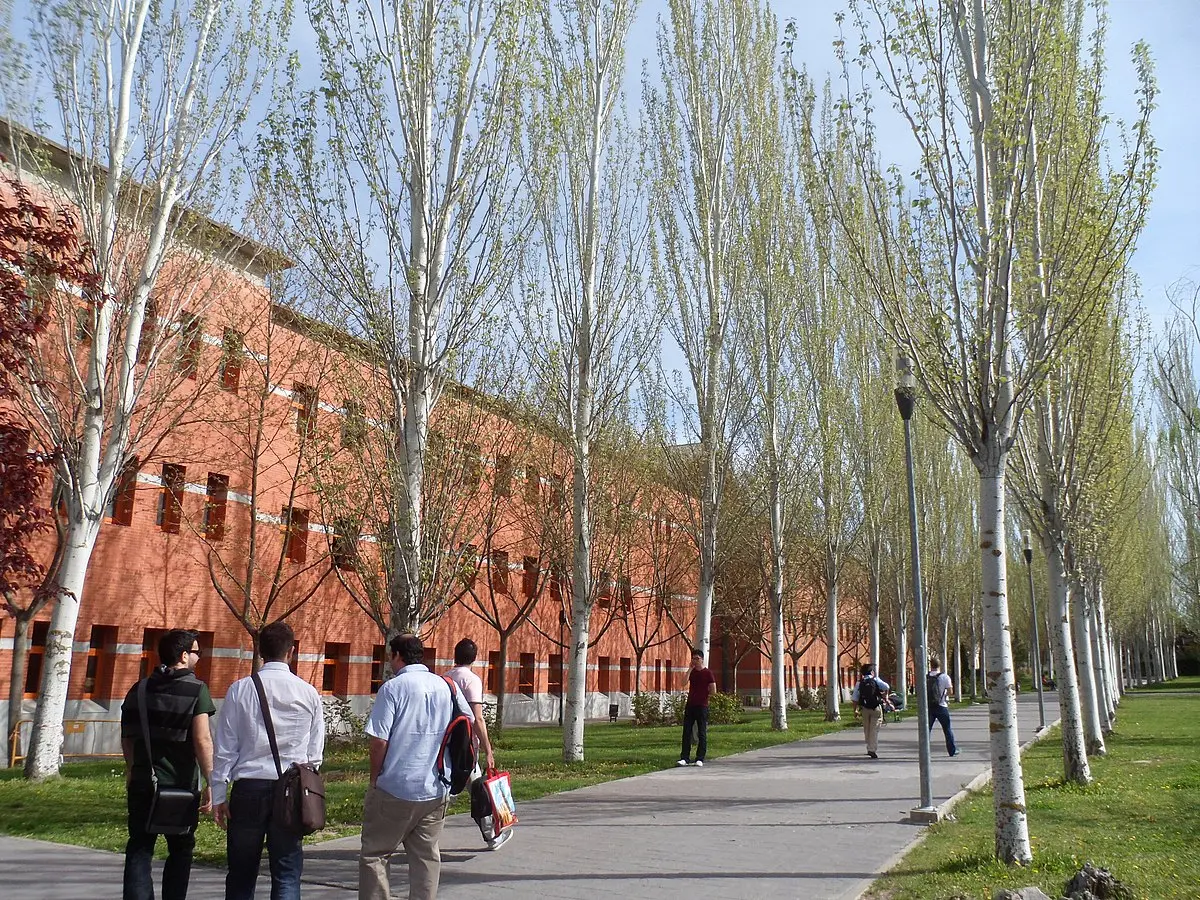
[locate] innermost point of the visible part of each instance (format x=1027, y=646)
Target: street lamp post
x=1037, y=644
x=906, y=398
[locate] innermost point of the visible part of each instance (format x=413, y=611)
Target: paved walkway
x=815, y=819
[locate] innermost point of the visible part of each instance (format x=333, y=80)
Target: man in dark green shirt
x=178, y=706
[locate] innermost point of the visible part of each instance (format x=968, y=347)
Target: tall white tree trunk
x=873, y=619
x=1088, y=696
x=1008, y=791
x=958, y=693
x=901, y=684
x=46, y=741
x=833, y=693
x=1075, y=757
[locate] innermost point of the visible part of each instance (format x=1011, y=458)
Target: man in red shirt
x=701, y=686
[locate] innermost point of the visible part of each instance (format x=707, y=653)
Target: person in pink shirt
x=465, y=654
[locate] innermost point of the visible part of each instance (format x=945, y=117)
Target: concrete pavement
x=814, y=819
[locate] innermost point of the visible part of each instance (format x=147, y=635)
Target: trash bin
x=613, y=709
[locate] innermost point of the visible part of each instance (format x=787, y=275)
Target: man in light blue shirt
x=406, y=802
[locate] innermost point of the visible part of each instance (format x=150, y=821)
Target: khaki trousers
x=871, y=719
x=389, y=822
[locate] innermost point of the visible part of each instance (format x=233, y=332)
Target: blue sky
x=1169, y=248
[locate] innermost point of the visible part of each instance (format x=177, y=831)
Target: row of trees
x=474, y=212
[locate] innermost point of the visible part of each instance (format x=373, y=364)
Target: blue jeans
x=139, y=852
x=697, y=715
x=250, y=802
x=941, y=714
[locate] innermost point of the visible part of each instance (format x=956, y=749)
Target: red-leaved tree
x=39, y=252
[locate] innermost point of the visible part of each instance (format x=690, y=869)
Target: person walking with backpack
x=938, y=686
x=868, y=697
x=406, y=802
x=245, y=772
x=466, y=652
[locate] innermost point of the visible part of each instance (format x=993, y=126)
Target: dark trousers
x=938, y=713
x=250, y=802
x=698, y=716
x=139, y=852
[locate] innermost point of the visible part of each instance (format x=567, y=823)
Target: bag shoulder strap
x=266, y=714
x=141, y=697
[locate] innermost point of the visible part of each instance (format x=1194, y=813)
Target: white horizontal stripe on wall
x=230, y=653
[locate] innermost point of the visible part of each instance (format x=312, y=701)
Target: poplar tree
x=147, y=98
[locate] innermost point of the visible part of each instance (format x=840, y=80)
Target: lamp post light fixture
x=1037, y=644
x=906, y=399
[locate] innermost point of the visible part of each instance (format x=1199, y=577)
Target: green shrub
x=806, y=698
x=724, y=709
x=341, y=724
x=647, y=709
x=672, y=709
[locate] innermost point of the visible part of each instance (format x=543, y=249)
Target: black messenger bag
x=173, y=810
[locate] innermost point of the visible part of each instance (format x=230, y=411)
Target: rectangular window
x=377, y=656
x=556, y=583
x=529, y=576
x=203, y=670
x=604, y=587
x=658, y=676
x=345, y=544
x=533, y=484
x=170, y=505
x=558, y=494
x=626, y=675
x=215, y=504
x=304, y=401
x=37, y=655
x=504, y=474
x=499, y=577
x=626, y=594
x=528, y=670
x=354, y=425
x=149, y=333
x=806, y=677
x=97, y=677
x=335, y=669
x=493, y=668
x=602, y=667
x=232, y=351
x=125, y=493
x=430, y=658
x=295, y=525
x=472, y=466
x=554, y=675
x=150, y=639
x=189, y=343
x=823, y=683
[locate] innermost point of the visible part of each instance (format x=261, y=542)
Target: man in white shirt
x=406, y=802
x=243, y=759
x=465, y=653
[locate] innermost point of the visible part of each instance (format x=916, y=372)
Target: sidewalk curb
x=945, y=808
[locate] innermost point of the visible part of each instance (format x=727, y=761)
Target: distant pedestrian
x=177, y=706
x=701, y=686
x=406, y=802
x=868, y=697
x=465, y=653
x=244, y=773
x=938, y=686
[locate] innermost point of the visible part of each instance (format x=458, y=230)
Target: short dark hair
x=934, y=662
x=173, y=644
x=408, y=647
x=275, y=641
x=867, y=669
x=696, y=651
x=465, y=652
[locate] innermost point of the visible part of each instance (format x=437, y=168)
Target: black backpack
x=933, y=689
x=868, y=693
x=459, y=741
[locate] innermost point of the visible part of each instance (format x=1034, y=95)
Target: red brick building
x=182, y=518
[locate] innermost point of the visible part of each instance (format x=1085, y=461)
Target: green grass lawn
x=86, y=805
x=1137, y=818
x=1183, y=683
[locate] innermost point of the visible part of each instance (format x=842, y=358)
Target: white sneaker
x=501, y=840
x=682, y=762
x=700, y=763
